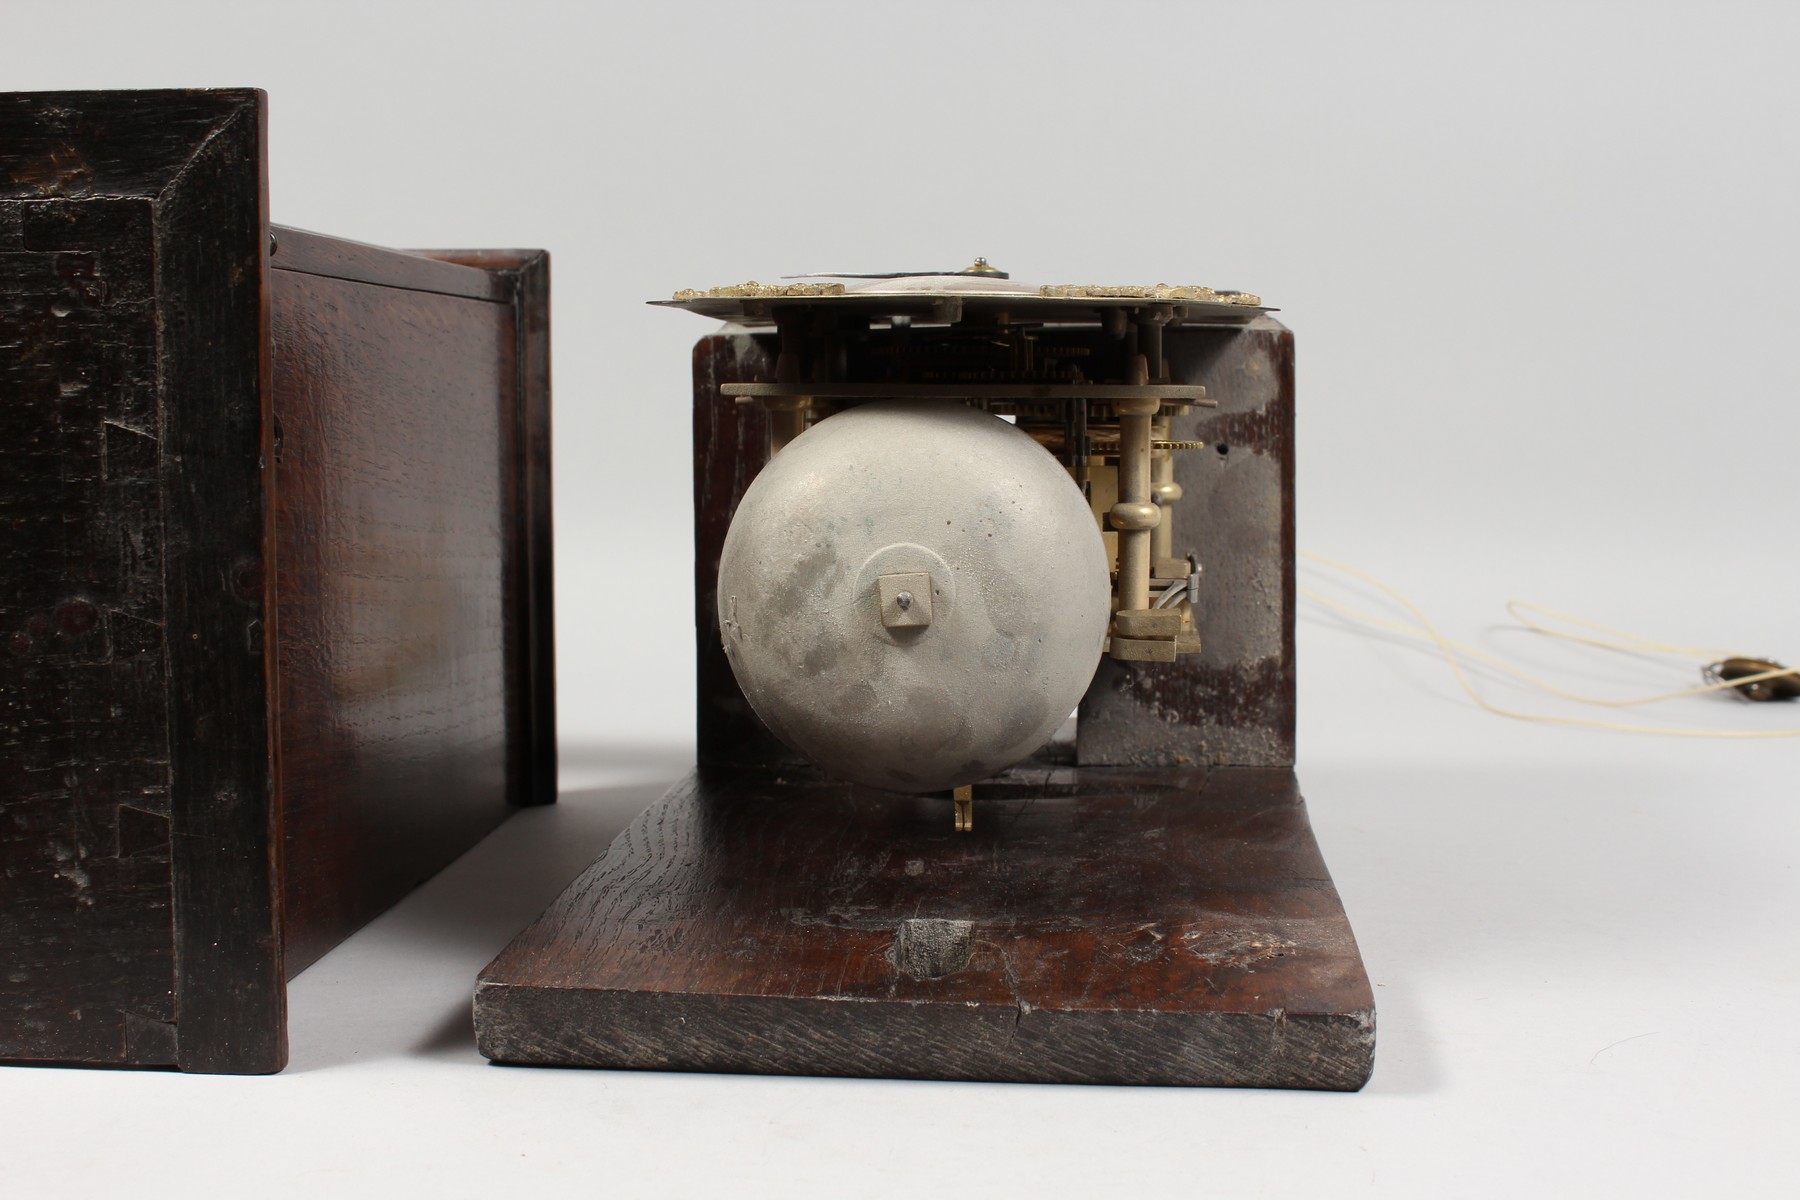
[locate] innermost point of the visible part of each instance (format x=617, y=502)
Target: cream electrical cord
x=1610, y=639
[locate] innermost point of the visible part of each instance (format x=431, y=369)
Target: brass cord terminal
x=1755, y=678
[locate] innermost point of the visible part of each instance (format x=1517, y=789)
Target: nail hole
x=1224, y=449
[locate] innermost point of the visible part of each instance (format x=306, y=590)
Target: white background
x=1540, y=261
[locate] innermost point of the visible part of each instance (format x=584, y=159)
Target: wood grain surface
x=140, y=883
x=395, y=509
x=302, y=252
x=531, y=608
x=1099, y=926
x=85, y=890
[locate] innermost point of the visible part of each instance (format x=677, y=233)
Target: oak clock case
x=275, y=637
x=933, y=512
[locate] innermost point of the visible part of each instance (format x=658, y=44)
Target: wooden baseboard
x=1099, y=925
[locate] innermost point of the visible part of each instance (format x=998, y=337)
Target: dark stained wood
x=397, y=412
x=531, y=620
x=85, y=892
x=1169, y=926
x=1233, y=704
x=731, y=444
x=141, y=871
x=195, y=805
x=214, y=366
x=336, y=258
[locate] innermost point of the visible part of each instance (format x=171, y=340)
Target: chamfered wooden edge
x=217, y=371
x=217, y=388
x=526, y=276
x=418, y=271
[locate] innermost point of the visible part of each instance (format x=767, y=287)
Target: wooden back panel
x=1231, y=705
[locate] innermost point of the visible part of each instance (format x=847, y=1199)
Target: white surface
x=1539, y=261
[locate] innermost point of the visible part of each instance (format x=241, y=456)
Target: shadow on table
x=413, y=969
x=1469, y=885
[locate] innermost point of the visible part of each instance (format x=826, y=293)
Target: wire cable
x=1424, y=630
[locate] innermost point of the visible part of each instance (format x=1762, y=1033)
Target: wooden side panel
x=85, y=923
x=731, y=444
x=398, y=583
x=534, y=622
x=1233, y=703
x=523, y=280
x=134, y=690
